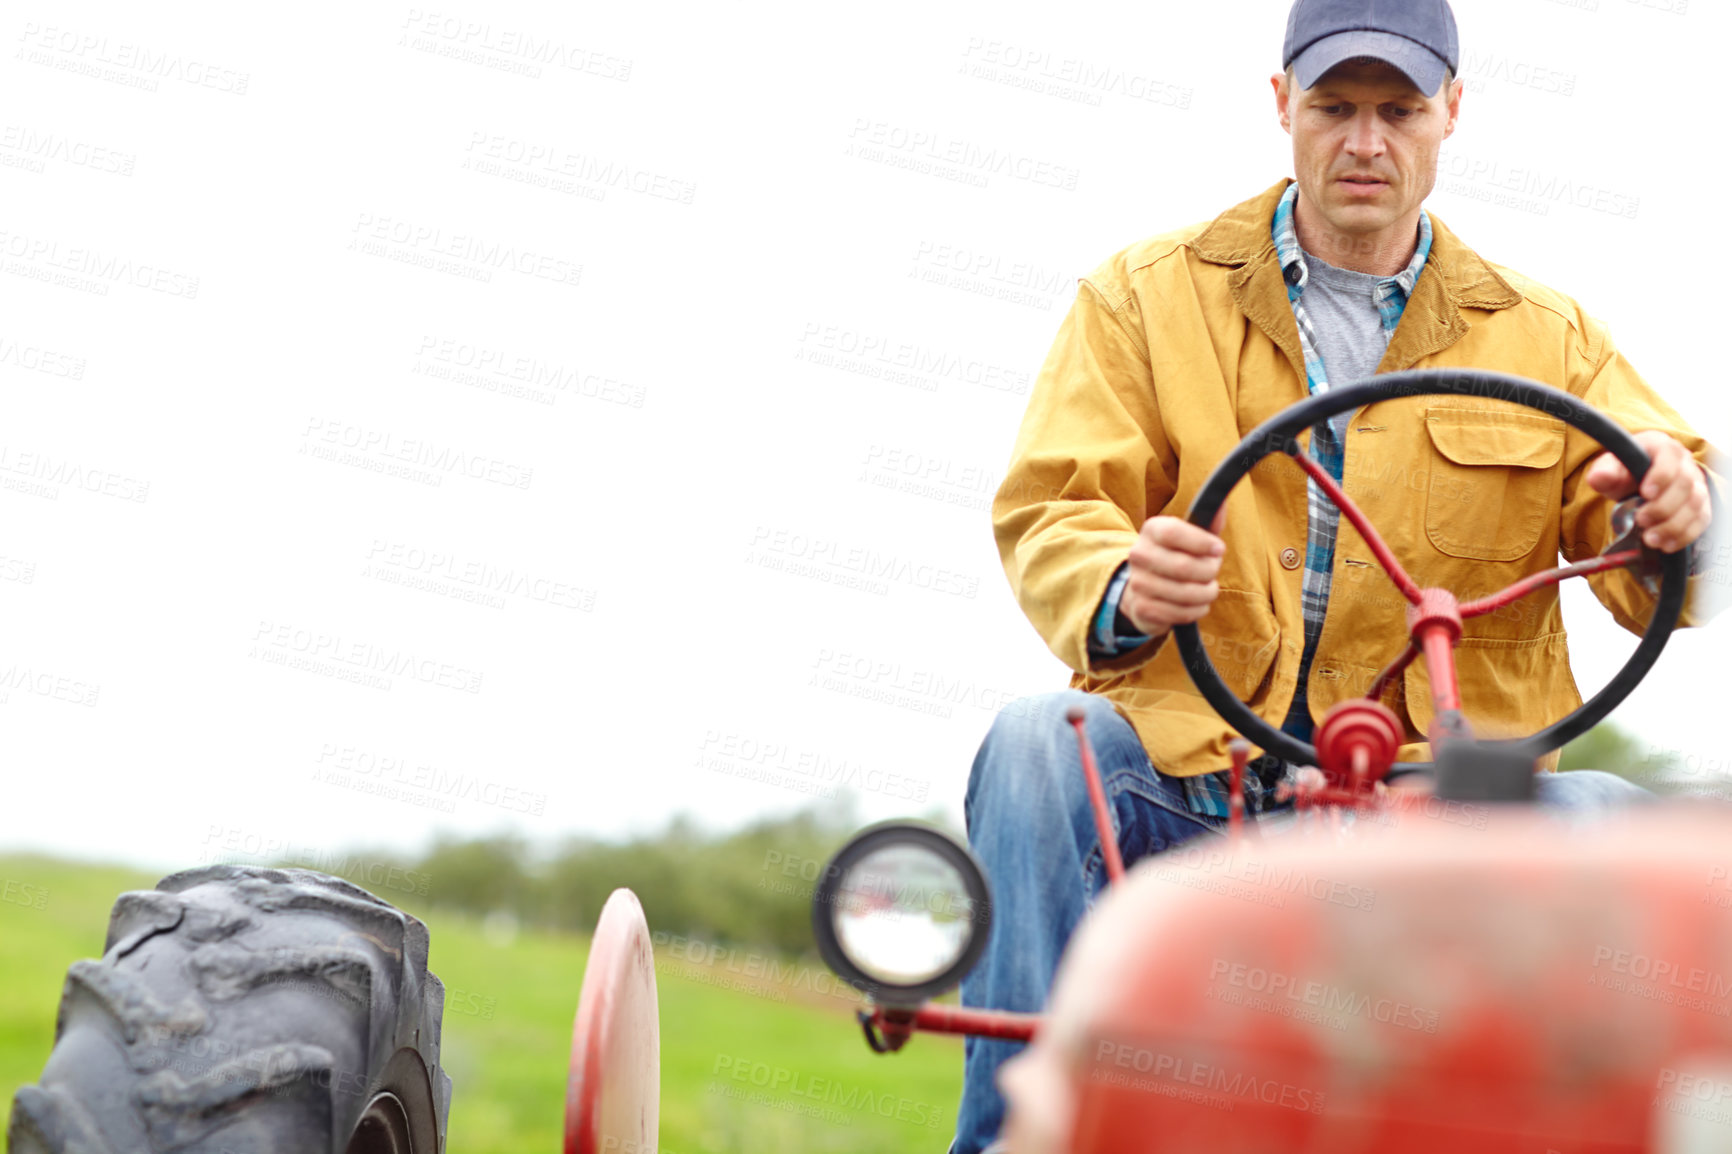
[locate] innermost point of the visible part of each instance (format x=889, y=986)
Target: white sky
x=302, y=165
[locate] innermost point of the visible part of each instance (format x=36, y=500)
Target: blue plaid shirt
x=1327, y=438
x=1207, y=793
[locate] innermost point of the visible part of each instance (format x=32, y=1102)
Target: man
x=1174, y=350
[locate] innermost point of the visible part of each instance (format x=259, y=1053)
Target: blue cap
x=1416, y=36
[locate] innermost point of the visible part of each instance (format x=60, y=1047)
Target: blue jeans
x=1031, y=826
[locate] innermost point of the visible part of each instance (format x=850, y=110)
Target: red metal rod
x=1394, y=670
x=1409, y=589
x=1332, y=795
x=1097, y=798
x=960, y=1020
x=1439, y=649
x=1370, y=799
x=1241, y=751
x=1550, y=577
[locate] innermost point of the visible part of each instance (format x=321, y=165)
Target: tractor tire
x=245, y=1010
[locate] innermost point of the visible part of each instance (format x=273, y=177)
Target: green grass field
x=757, y=1053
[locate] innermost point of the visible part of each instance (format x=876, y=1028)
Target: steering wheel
x=1279, y=433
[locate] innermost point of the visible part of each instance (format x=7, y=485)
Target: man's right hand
x=1172, y=574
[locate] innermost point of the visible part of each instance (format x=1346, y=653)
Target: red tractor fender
x=613, y=1090
x=1490, y=980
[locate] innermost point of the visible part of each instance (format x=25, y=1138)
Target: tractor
x=1453, y=969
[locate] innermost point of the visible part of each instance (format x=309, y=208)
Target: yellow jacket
x=1179, y=346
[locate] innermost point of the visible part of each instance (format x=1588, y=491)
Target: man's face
x=1365, y=144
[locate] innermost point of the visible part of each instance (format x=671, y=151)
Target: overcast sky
x=471, y=418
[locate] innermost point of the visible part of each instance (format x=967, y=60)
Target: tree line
x=750, y=886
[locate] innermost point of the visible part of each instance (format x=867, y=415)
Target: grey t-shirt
x=1349, y=335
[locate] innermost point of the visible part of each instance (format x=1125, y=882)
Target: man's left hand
x=1675, y=507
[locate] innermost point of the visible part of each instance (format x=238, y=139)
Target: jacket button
x=1289, y=558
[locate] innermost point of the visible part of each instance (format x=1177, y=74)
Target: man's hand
x=1172, y=574
x=1675, y=493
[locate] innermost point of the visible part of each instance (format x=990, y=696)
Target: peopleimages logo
x=1322, y=996
x=807, y=770
x=1272, y=878
x=332, y=654
x=327, y=437
x=26, y=894
x=826, y=1091
x=1229, y=1086
x=924, y=150
x=1659, y=971
x=792, y=547
x=93, y=55
x=1066, y=77
x=37, y=255
x=837, y=346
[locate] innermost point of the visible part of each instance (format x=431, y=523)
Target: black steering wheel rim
x=1281, y=430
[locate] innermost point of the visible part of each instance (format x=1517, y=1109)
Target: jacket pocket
x=1242, y=640
x=1492, y=492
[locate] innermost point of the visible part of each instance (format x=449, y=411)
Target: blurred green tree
x=1610, y=748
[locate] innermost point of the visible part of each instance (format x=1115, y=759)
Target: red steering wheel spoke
x=1434, y=616
x=1520, y=589
x=1373, y=539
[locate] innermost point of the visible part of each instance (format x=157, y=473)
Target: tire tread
x=198, y=1030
